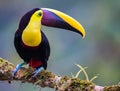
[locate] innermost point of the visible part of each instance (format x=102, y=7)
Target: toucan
x=32, y=44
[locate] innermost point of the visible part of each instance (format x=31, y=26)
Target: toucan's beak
x=54, y=18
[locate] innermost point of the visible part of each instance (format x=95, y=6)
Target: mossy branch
x=49, y=79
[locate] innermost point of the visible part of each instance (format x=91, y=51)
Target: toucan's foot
x=37, y=71
x=17, y=68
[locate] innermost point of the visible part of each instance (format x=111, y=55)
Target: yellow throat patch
x=31, y=35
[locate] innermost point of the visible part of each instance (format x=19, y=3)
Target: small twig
x=83, y=70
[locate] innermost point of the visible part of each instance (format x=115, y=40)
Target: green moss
x=112, y=88
x=1, y=62
x=64, y=79
x=81, y=85
x=64, y=82
x=46, y=75
x=43, y=77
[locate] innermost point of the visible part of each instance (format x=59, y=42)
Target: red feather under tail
x=34, y=63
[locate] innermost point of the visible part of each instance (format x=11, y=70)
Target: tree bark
x=49, y=79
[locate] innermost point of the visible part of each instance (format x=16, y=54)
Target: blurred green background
x=99, y=50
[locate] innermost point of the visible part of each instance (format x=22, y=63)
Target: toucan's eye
x=39, y=13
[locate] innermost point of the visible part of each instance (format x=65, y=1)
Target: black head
x=26, y=18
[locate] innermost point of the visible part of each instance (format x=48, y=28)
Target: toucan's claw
x=17, y=68
x=37, y=71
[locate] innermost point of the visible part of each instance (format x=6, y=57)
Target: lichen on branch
x=48, y=79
